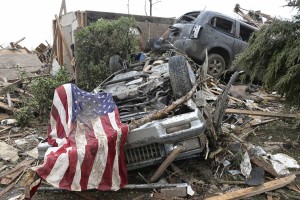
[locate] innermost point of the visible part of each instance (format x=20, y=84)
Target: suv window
x=188, y=18
x=245, y=32
x=222, y=24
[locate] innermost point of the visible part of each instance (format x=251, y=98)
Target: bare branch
x=163, y=112
x=156, y=2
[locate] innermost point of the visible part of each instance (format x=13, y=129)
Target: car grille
x=143, y=153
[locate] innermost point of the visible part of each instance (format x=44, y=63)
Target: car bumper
x=151, y=143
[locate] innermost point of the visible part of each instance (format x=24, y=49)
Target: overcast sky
x=33, y=18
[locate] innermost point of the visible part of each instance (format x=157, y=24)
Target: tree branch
x=163, y=112
x=156, y=2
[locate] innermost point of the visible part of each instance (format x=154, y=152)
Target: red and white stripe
x=86, y=156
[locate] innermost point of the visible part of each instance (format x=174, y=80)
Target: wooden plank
x=261, y=162
x=10, y=186
x=244, y=135
x=14, y=44
x=5, y=128
x=259, y=113
x=59, y=52
x=7, y=86
x=54, y=52
x=23, y=92
x=13, y=136
x=15, y=100
x=253, y=123
x=18, y=81
x=7, y=108
x=7, y=189
x=31, y=180
x=4, y=116
x=252, y=191
x=63, y=39
x=84, y=19
x=63, y=8
x=293, y=187
x=230, y=97
x=166, y=163
x=9, y=176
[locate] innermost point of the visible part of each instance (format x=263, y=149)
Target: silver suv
x=222, y=36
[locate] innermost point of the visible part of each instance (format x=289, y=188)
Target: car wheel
x=216, y=65
x=115, y=64
x=179, y=76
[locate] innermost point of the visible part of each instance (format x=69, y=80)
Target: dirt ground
x=276, y=137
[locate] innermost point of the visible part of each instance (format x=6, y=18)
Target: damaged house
x=149, y=29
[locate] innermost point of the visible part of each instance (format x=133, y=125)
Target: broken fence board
x=259, y=113
x=252, y=191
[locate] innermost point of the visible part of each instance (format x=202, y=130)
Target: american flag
x=87, y=139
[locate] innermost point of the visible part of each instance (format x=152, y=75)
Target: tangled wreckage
x=140, y=90
x=165, y=104
x=165, y=108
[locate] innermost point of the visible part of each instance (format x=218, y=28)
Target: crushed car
x=222, y=36
x=138, y=92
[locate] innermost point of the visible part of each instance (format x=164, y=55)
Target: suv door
x=219, y=38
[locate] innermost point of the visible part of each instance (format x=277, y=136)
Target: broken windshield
x=188, y=17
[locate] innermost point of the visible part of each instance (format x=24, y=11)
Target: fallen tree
x=273, y=56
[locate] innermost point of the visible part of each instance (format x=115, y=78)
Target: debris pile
x=17, y=61
x=238, y=161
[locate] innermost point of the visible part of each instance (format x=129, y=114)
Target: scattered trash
x=288, y=161
x=281, y=163
x=246, y=165
x=6, y=122
x=257, y=176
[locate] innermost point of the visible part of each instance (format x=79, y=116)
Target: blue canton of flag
x=87, y=104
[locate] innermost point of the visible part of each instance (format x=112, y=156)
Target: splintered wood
x=259, y=113
x=252, y=191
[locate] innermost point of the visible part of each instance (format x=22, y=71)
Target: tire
x=115, y=64
x=216, y=65
x=179, y=76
